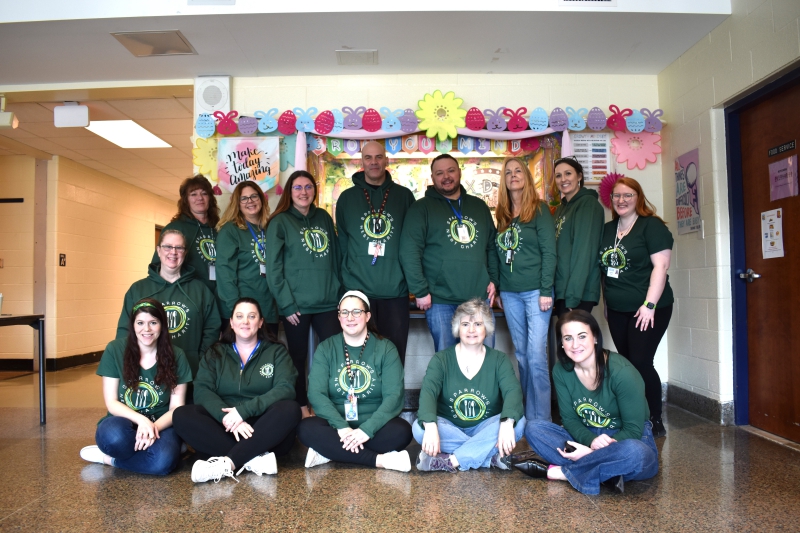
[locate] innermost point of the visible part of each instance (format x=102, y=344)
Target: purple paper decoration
x=267, y=121
x=392, y=120
x=394, y=144
x=338, y=121
x=372, y=120
x=305, y=121
x=558, y=119
x=205, y=126
x=248, y=125
x=409, y=122
x=596, y=119
x=287, y=122
x=324, y=122
x=495, y=121
x=475, y=119
x=352, y=119
x=538, y=120
x=482, y=146
x=651, y=122
x=465, y=144
x=635, y=122
x=352, y=146
x=516, y=121
x=576, y=122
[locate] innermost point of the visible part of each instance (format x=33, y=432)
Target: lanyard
x=242, y=365
x=383, y=204
x=259, y=242
x=458, y=213
x=347, y=358
x=617, y=238
x=202, y=233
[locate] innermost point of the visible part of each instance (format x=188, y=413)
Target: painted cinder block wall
x=760, y=39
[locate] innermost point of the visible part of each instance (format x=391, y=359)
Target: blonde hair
x=233, y=213
x=531, y=203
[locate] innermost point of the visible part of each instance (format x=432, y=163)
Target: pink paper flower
x=636, y=149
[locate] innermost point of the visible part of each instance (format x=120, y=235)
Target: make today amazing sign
x=255, y=159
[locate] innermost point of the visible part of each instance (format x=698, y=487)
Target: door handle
x=749, y=275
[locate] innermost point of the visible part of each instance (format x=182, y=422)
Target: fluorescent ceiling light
x=126, y=134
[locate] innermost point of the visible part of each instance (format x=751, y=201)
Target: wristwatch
x=649, y=305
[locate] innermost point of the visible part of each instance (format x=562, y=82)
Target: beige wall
x=759, y=39
x=16, y=251
x=106, y=228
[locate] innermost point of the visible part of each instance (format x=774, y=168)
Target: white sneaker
x=315, y=459
x=399, y=461
x=215, y=468
x=261, y=464
x=92, y=454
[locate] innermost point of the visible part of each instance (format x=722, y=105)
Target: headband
x=356, y=294
x=143, y=304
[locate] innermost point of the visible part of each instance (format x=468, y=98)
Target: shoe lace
x=223, y=470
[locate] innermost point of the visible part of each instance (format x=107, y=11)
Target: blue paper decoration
x=538, y=120
x=268, y=121
x=338, y=121
x=287, y=149
x=205, y=126
x=392, y=120
x=465, y=144
x=635, y=122
x=305, y=119
x=394, y=144
x=576, y=122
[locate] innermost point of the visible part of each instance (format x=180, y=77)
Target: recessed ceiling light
x=155, y=43
x=126, y=134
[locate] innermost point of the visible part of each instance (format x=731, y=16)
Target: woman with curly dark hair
x=144, y=380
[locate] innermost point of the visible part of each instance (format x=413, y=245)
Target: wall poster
x=248, y=158
x=783, y=178
x=687, y=199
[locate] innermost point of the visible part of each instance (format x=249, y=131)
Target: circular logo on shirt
x=176, y=317
x=469, y=407
x=377, y=226
x=316, y=240
x=614, y=258
x=141, y=398
x=257, y=246
x=509, y=239
x=361, y=378
x=454, y=230
x=267, y=370
x=207, y=249
x=592, y=416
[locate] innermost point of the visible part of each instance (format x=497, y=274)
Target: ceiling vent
x=357, y=57
x=588, y=3
x=155, y=43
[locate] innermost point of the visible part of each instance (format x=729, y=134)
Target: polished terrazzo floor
x=712, y=478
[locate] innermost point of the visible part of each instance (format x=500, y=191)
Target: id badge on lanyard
x=262, y=269
x=351, y=406
x=463, y=233
x=212, y=272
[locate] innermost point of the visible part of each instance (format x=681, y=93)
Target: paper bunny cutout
x=651, y=122
x=352, y=119
x=516, y=121
x=576, y=122
x=617, y=120
x=267, y=121
x=226, y=124
x=496, y=121
x=305, y=122
x=392, y=120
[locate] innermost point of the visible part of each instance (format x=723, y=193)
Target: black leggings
x=560, y=308
x=639, y=347
x=391, y=318
x=325, y=325
x=315, y=432
x=273, y=431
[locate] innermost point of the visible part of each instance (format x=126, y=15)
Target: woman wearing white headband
x=356, y=389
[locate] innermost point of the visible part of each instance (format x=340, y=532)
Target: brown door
x=773, y=300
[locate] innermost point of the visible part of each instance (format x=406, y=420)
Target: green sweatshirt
x=447, y=392
x=192, y=313
x=148, y=398
x=238, y=271
x=618, y=404
x=357, y=228
x=436, y=262
x=628, y=290
x=533, y=245
x=200, y=247
x=579, y=225
x=268, y=377
x=378, y=383
x=303, y=261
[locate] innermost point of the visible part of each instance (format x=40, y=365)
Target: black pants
x=273, y=431
x=560, y=308
x=325, y=325
x=315, y=432
x=391, y=318
x=639, y=347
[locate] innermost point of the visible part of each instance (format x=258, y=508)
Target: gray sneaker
x=497, y=462
x=440, y=462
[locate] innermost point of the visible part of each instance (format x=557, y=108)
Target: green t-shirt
x=533, y=263
x=628, y=291
x=447, y=392
x=148, y=398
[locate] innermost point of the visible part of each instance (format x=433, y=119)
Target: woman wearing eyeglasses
x=242, y=253
x=304, y=271
x=634, y=256
x=579, y=222
x=356, y=388
x=192, y=314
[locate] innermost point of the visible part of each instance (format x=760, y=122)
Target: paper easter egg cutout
x=538, y=120
x=409, y=122
x=287, y=123
x=596, y=119
x=338, y=121
x=248, y=125
x=558, y=119
x=475, y=119
x=324, y=122
x=635, y=122
x=495, y=121
x=371, y=121
x=267, y=121
x=516, y=121
x=205, y=126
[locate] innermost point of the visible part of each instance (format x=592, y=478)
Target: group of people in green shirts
x=248, y=400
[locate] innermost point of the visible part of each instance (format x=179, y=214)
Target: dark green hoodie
x=238, y=271
x=192, y=312
x=200, y=247
x=357, y=228
x=268, y=377
x=303, y=261
x=434, y=260
x=579, y=226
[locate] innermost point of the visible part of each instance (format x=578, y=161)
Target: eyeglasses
x=247, y=199
x=169, y=249
x=300, y=188
x=344, y=313
x=627, y=195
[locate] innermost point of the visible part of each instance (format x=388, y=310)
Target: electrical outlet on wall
x=62, y=260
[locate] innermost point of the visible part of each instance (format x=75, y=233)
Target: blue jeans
x=473, y=447
x=632, y=459
x=440, y=322
x=116, y=437
x=528, y=327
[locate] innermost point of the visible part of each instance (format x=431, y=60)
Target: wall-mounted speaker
x=212, y=93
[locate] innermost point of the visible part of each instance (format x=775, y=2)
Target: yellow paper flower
x=441, y=115
x=204, y=157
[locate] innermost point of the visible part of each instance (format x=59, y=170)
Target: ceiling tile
x=6, y=152
x=162, y=126
x=108, y=153
x=182, y=142
x=92, y=142
x=17, y=133
x=181, y=173
x=75, y=156
x=31, y=112
x=160, y=153
x=97, y=165
x=153, y=108
x=188, y=103
x=42, y=144
x=50, y=131
x=132, y=166
x=173, y=164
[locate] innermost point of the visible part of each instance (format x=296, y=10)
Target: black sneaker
x=658, y=428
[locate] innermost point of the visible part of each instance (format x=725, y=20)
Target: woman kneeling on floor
x=356, y=397
x=144, y=380
x=245, y=411
x=604, y=412
x=470, y=405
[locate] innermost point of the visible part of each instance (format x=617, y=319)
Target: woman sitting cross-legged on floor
x=604, y=411
x=356, y=388
x=144, y=381
x=470, y=404
x=245, y=412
